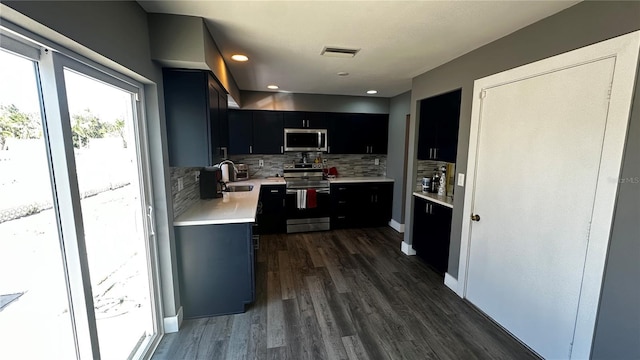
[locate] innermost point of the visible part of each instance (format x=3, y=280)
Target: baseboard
x=172, y=323
x=407, y=249
x=396, y=226
x=452, y=283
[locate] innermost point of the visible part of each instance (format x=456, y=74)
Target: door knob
x=475, y=217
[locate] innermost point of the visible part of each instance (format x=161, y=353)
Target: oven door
x=309, y=219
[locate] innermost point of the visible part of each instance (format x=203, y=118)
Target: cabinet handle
x=342, y=189
x=376, y=198
x=281, y=149
x=435, y=153
x=342, y=217
x=328, y=149
x=284, y=203
x=250, y=149
x=342, y=202
x=430, y=153
x=303, y=123
x=274, y=191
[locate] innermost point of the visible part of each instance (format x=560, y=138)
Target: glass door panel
x=111, y=183
x=34, y=306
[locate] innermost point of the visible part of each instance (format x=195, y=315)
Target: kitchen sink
x=238, y=188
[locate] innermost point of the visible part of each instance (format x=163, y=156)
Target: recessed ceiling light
x=343, y=73
x=372, y=92
x=239, y=57
x=273, y=87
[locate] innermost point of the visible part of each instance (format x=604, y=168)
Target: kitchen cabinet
x=431, y=233
x=271, y=214
x=268, y=132
x=438, y=129
x=358, y=134
x=193, y=112
x=305, y=120
x=255, y=132
x=361, y=204
x=215, y=268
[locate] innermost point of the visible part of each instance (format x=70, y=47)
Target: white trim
x=407, y=249
x=396, y=226
x=625, y=50
x=452, y=283
x=172, y=323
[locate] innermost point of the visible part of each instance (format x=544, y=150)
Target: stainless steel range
x=307, y=198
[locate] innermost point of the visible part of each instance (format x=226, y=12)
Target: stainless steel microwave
x=305, y=139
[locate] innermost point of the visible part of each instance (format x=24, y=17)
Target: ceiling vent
x=339, y=52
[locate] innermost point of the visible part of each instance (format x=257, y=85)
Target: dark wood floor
x=346, y=294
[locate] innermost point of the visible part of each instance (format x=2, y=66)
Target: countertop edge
x=359, y=179
x=438, y=199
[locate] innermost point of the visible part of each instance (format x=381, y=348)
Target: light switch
x=196, y=175
x=461, y=179
x=260, y=163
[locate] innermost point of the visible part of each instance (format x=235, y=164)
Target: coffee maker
x=211, y=184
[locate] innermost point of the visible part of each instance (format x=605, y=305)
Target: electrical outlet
x=180, y=184
x=461, y=179
x=324, y=161
x=376, y=162
x=260, y=163
x=196, y=176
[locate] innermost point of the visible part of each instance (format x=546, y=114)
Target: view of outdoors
x=33, y=296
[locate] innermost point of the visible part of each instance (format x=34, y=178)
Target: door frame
x=624, y=49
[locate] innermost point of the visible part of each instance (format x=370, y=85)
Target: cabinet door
x=420, y=228
x=223, y=109
x=347, y=135
x=447, y=142
x=214, y=120
x=377, y=136
x=442, y=231
x=305, y=119
x=268, y=132
x=428, y=128
x=240, y=132
x=187, y=115
x=271, y=215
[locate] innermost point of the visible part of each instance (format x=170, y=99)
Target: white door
x=541, y=148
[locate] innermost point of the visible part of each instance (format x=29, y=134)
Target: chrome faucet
x=235, y=171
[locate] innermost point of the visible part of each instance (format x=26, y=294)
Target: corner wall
x=399, y=108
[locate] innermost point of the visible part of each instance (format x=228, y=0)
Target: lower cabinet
x=215, y=268
x=431, y=232
x=361, y=204
x=271, y=213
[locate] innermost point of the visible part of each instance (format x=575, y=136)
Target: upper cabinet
x=195, y=109
x=438, y=133
x=305, y=120
x=255, y=132
x=358, y=134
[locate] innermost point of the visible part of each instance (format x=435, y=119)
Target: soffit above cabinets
x=397, y=40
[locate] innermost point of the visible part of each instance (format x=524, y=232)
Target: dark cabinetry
x=358, y=134
x=438, y=132
x=431, y=232
x=195, y=109
x=215, y=268
x=304, y=119
x=255, y=132
x=271, y=211
x=360, y=204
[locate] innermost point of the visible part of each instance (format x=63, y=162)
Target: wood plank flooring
x=344, y=294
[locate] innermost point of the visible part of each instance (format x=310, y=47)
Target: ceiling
x=398, y=40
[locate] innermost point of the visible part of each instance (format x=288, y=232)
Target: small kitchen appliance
x=210, y=183
x=242, y=172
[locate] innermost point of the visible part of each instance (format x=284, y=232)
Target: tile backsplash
x=183, y=199
x=425, y=169
x=347, y=165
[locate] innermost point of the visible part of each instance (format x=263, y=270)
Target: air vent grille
x=339, y=52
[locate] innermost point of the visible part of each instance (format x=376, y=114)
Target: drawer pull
x=275, y=191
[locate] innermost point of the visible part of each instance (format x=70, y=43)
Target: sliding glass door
x=77, y=245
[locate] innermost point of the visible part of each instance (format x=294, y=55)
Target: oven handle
x=319, y=191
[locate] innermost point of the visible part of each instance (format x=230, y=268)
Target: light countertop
x=359, y=179
x=231, y=208
x=434, y=197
